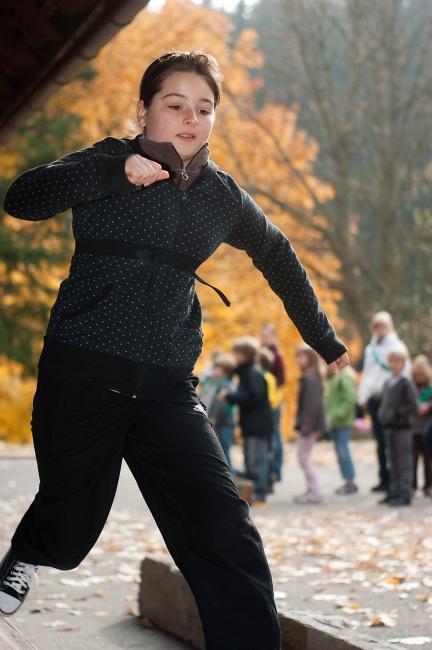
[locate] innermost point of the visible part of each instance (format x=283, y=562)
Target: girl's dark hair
x=248, y=347
x=195, y=61
x=226, y=362
x=265, y=358
x=314, y=365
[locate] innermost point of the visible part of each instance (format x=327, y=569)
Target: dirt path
x=363, y=565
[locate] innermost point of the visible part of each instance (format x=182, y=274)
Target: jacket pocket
x=88, y=305
x=186, y=343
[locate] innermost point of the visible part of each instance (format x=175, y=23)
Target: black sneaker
x=381, y=487
x=386, y=499
x=400, y=501
x=16, y=578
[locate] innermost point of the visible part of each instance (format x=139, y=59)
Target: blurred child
x=265, y=362
x=375, y=372
x=310, y=418
x=270, y=341
x=341, y=412
x=255, y=419
x=422, y=378
x=396, y=412
x=207, y=385
x=220, y=412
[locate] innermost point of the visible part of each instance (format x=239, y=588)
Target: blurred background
x=325, y=119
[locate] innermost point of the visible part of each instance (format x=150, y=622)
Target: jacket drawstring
x=164, y=256
x=218, y=291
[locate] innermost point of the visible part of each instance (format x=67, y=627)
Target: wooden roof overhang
x=45, y=43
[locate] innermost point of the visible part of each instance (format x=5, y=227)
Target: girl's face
x=181, y=112
x=420, y=376
x=396, y=363
x=218, y=372
x=239, y=357
x=380, y=330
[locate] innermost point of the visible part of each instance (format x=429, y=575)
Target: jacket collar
x=167, y=155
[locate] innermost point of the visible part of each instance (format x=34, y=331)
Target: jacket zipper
x=183, y=170
x=185, y=176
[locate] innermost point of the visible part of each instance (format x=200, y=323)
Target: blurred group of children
x=405, y=414
x=246, y=379
x=327, y=405
x=397, y=394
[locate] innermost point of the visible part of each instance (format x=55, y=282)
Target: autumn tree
x=362, y=73
x=31, y=258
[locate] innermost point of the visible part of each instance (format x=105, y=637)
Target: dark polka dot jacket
x=127, y=317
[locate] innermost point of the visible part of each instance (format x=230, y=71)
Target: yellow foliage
x=10, y=161
x=16, y=399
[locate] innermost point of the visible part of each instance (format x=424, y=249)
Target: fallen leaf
x=60, y=625
x=382, y=620
x=423, y=598
x=394, y=580
x=329, y=597
x=413, y=640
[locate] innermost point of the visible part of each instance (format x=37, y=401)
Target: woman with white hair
x=375, y=372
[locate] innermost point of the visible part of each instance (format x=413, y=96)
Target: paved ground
x=365, y=566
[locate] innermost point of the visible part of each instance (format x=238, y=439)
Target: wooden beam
x=68, y=8
x=16, y=58
x=36, y=28
x=11, y=638
x=7, y=90
x=84, y=34
x=166, y=599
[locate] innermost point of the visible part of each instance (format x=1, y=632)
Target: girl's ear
x=141, y=113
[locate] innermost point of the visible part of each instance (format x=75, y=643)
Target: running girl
x=116, y=373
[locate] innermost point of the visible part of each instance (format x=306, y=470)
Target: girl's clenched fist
x=142, y=171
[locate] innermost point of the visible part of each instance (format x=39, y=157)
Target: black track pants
x=81, y=433
x=382, y=451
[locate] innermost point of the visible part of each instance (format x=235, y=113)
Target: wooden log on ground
x=166, y=600
x=306, y=631
x=11, y=638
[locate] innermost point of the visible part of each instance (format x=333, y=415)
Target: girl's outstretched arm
x=271, y=252
x=83, y=175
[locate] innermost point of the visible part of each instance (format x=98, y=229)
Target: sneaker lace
x=21, y=577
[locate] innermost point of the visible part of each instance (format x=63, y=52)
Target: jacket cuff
x=114, y=177
x=330, y=348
